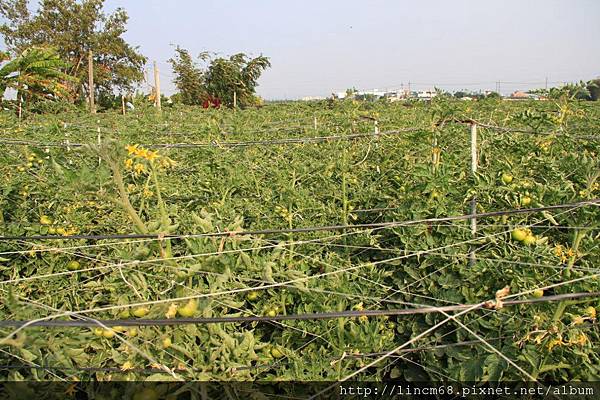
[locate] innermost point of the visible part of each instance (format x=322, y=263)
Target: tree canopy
x=73, y=28
x=37, y=73
x=217, y=77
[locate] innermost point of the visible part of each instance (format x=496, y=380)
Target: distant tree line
x=47, y=58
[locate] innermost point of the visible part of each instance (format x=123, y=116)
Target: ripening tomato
x=45, y=220
x=141, y=312
x=519, y=234
x=538, y=293
x=252, y=296
x=189, y=310
x=73, y=265
x=276, y=353
x=108, y=333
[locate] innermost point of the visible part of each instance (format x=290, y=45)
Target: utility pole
x=157, y=87
x=92, y=89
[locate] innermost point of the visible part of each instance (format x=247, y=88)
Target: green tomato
x=519, y=234
x=141, y=312
x=108, y=333
x=189, y=310
x=538, y=293
x=276, y=353
x=73, y=265
x=252, y=296
x=507, y=178
x=45, y=220
x=525, y=201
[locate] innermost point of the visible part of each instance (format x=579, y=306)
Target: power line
x=291, y=317
x=304, y=230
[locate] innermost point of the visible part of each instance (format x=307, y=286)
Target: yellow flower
x=554, y=343
x=139, y=168
x=129, y=163
x=131, y=149
x=580, y=340
x=570, y=253
x=148, y=193
x=558, y=250
x=151, y=155
x=172, y=312
x=127, y=366
x=142, y=153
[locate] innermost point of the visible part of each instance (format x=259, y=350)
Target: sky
x=318, y=47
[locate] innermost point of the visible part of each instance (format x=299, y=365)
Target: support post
x=376, y=123
x=234, y=99
x=474, y=164
x=92, y=89
x=157, y=101
x=20, y=107
x=99, y=143
x=315, y=123
x=123, y=103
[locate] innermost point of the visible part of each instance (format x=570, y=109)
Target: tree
x=73, y=28
x=35, y=74
x=189, y=78
x=593, y=87
x=219, y=79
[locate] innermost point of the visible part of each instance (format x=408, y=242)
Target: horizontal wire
x=291, y=317
x=214, y=143
x=304, y=230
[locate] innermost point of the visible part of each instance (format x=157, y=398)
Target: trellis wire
x=307, y=229
x=291, y=317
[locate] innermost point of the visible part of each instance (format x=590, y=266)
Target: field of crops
x=201, y=213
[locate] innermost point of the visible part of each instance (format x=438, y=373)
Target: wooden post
x=92, y=89
x=234, y=99
x=99, y=143
x=315, y=123
x=474, y=164
x=157, y=102
x=20, y=107
x=123, y=103
x=376, y=127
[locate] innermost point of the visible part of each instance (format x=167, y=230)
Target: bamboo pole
x=92, y=89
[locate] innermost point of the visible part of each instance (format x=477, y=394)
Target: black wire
x=303, y=230
x=291, y=317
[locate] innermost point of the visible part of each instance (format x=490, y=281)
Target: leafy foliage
x=118, y=65
x=222, y=78
x=36, y=74
x=423, y=173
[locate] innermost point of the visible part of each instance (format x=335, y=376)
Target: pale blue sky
x=317, y=47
